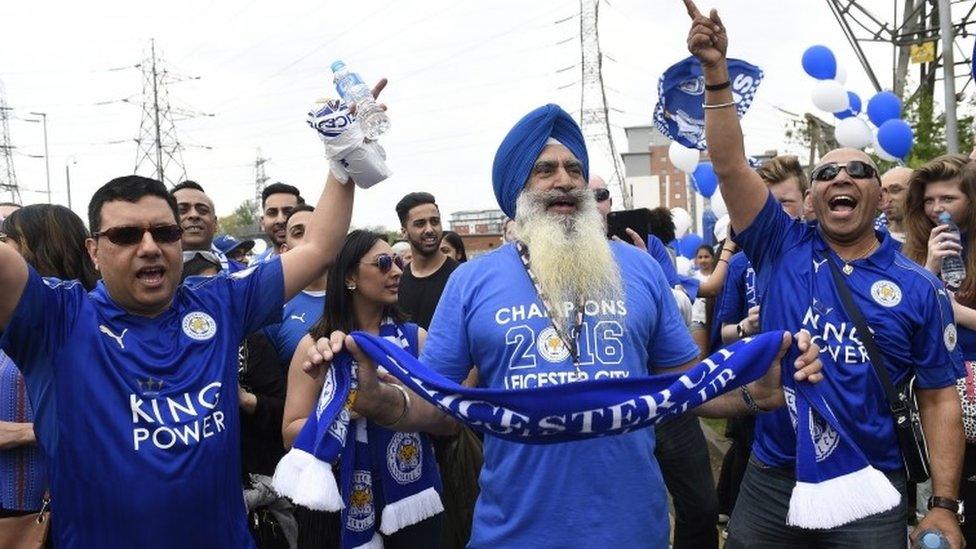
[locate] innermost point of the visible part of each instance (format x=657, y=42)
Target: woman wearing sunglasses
x=948, y=184
x=362, y=290
x=52, y=240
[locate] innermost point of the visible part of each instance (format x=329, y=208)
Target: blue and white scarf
x=836, y=485
x=380, y=471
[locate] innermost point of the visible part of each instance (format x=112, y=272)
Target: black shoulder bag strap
x=864, y=334
x=904, y=411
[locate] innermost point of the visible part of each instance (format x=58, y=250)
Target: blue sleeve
x=733, y=295
x=447, y=349
x=257, y=295
x=769, y=236
x=41, y=323
x=660, y=254
x=935, y=352
x=670, y=345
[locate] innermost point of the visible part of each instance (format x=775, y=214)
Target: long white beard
x=569, y=253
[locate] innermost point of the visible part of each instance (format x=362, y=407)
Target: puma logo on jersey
x=299, y=318
x=118, y=338
x=818, y=264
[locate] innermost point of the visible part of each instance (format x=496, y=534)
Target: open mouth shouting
x=564, y=204
x=151, y=277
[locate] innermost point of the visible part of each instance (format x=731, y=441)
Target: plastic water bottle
x=352, y=89
x=931, y=539
x=953, y=269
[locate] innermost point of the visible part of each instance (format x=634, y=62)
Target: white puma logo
x=118, y=338
x=299, y=318
x=818, y=264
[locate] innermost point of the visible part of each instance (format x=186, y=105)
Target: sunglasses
x=385, y=262
x=601, y=194
x=855, y=168
x=130, y=235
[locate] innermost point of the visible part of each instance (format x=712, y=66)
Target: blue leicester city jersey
x=297, y=318
x=139, y=416
x=905, y=306
x=739, y=293
x=603, y=492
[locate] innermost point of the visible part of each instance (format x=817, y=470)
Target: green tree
x=929, y=128
x=242, y=223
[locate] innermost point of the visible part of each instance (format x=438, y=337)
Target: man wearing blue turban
x=559, y=305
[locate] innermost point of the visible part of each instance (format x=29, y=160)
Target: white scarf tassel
x=841, y=500
x=289, y=469
x=410, y=510
x=376, y=542
x=317, y=488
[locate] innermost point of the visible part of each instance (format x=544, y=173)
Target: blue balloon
x=883, y=107
x=820, y=63
x=688, y=245
x=896, y=138
x=855, y=100
x=705, y=180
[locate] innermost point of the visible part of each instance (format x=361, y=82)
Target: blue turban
x=522, y=146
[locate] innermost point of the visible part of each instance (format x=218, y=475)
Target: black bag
x=901, y=402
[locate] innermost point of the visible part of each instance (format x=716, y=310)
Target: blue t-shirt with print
x=905, y=306
x=604, y=492
x=139, y=416
x=739, y=292
x=297, y=318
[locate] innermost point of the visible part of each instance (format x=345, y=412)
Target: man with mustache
x=198, y=219
x=907, y=312
x=559, y=305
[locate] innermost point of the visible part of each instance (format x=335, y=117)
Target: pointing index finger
x=692, y=9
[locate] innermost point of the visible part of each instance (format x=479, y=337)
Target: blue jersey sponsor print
x=606, y=491
x=297, y=318
x=905, y=306
x=139, y=416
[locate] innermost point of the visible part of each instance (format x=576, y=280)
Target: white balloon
x=883, y=154
x=717, y=203
x=830, y=96
x=682, y=221
x=722, y=228
x=853, y=132
x=841, y=75
x=683, y=265
x=682, y=157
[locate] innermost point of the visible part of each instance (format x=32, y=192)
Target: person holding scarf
x=362, y=288
x=828, y=470
x=560, y=312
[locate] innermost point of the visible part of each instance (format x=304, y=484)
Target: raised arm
x=13, y=279
x=745, y=192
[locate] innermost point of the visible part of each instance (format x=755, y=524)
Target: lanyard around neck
x=571, y=340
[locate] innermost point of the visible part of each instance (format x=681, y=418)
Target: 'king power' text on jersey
x=140, y=415
x=605, y=492
x=904, y=305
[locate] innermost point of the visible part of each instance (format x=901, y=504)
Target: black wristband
x=717, y=87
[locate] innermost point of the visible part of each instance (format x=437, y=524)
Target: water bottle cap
x=930, y=539
x=944, y=217
x=337, y=66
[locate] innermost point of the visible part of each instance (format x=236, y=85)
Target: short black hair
x=280, y=188
x=410, y=202
x=662, y=225
x=10, y=204
x=130, y=188
x=300, y=208
x=187, y=185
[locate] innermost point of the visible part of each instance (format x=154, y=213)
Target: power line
x=8, y=177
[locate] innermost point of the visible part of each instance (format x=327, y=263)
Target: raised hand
x=768, y=390
x=707, y=39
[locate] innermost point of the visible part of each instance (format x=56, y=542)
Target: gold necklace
x=848, y=268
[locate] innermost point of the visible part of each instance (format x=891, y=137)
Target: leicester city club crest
x=551, y=346
x=405, y=457
x=824, y=436
x=886, y=293
x=362, y=514
x=199, y=326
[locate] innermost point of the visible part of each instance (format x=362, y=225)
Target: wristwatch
x=740, y=332
x=956, y=506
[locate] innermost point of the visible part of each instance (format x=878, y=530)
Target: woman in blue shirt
x=52, y=240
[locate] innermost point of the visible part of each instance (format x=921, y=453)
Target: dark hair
x=10, y=204
x=662, y=225
x=711, y=251
x=457, y=243
x=300, y=208
x=52, y=240
x=337, y=313
x=130, y=188
x=410, y=202
x=196, y=266
x=280, y=188
x=187, y=185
